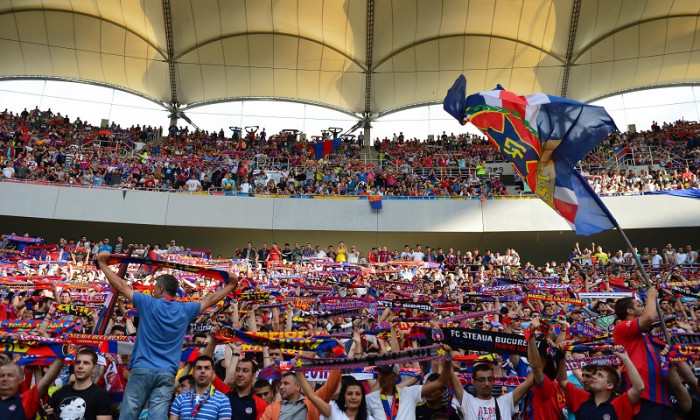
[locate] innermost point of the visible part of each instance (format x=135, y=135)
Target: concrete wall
x=224, y=223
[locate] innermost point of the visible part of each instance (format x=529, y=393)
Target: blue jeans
x=154, y=386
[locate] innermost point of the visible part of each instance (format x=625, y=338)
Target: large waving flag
x=543, y=137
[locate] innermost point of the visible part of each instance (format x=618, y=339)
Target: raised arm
x=289, y=314
x=635, y=392
x=650, y=314
x=54, y=370
x=562, y=376
x=323, y=407
x=533, y=354
x=520, y=391
x=232, y=362
x=457, y=386
x=685, y=403
x=442, y=381
x=215, y=297
x=117, y=283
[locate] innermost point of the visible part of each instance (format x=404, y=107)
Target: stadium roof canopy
x=368, y=57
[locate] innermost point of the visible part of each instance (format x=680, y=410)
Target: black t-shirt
x=423, y=412
x=85, y=404
x=694, y=412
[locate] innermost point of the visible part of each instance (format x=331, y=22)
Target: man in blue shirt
x=163, y=322
x=202, y=401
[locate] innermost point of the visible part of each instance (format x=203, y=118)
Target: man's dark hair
x=204, y=358
x=621, y=307
x=288, y=374
x=481, y=367
x=613, y=376
x=432, y=377
x=201, y=334
x=118, y=327
x=169, y=284
x=252, y=362
x=89, y=352
x=592, y=368
x=261, y=383
x=182, y=379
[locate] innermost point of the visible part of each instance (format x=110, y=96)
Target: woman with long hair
x=351, y=403
x=341, y=255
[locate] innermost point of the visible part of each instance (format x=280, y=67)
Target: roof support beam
x=370, y=44
x=573, y=26
x=167, y=21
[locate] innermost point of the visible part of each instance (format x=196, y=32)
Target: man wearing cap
x=391, y=403
x=577, y=317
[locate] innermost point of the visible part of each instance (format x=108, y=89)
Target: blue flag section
x=543, y=137
x=375, y=202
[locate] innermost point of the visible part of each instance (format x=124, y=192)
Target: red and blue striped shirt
x=647, y=359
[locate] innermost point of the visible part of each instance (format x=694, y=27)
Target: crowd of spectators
x=293, y=289
x=43, y=146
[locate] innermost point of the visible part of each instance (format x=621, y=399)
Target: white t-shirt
x=681, y=258
x=617, y=260
x=478, y=409
x=336, y=413
x=656, y=261
x=193, y=184
x=418, y=256
x=409, y=397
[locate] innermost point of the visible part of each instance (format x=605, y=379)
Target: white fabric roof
x=317, y=50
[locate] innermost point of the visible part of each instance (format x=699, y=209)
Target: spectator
x=161, y=331
x=294, y=407
x=601, y=402
x=211, y=404
x=23, y=406
x=244, y=403
x=630, y=333
x=351, y=400
x=263, y=390
x=389, y=401
x=82, y=398
x=484, y=406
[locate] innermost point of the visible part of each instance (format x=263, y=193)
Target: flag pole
x=632, y=249
x=111, y=300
